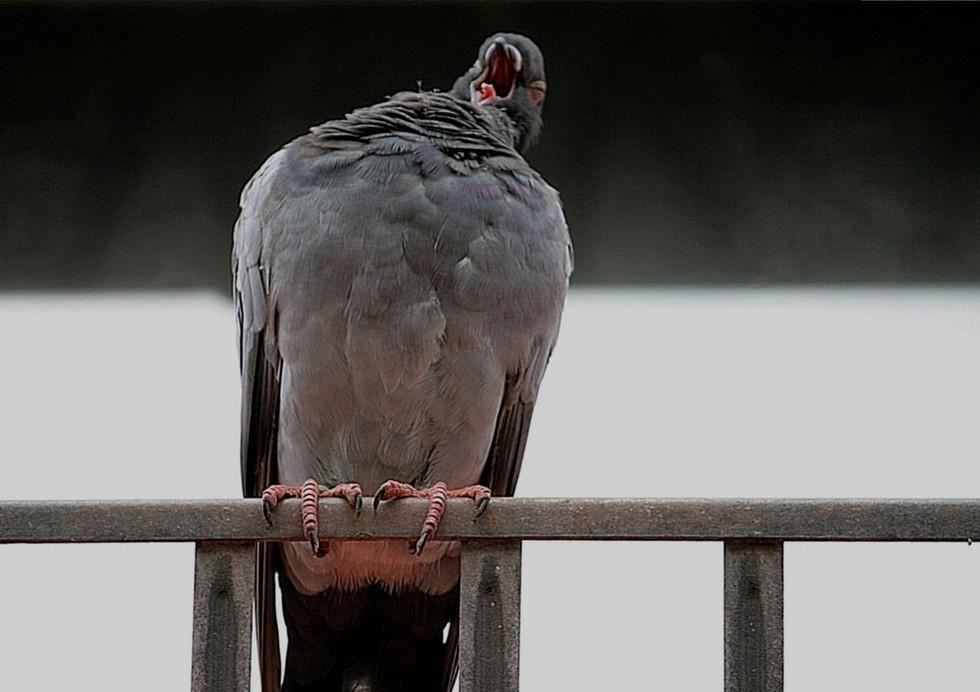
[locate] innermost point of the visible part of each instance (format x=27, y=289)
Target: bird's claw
x=310, y=494
x=437, y=496
x=271, y=497
x=379, y=496
x=319, y=549
x=481, y=505
x=395, y=490
x=419, y=545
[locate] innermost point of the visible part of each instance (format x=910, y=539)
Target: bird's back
x=415, y=268
x=431, y=260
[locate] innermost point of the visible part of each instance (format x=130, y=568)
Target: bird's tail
x=369, y=640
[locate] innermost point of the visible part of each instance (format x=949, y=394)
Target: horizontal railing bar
x=115, y=521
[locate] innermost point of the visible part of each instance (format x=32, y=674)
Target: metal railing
x=753, y=532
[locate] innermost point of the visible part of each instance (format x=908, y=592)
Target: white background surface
x=755, y=392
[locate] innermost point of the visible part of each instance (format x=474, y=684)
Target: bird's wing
x=507, y=449
x=260, y=402
x=503, y=465
x=514, y=418
x=549, y=248
x=500, y=475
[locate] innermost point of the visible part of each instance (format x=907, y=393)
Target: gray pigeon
x=399, y=280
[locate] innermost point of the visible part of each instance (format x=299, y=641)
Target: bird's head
x=508, y=74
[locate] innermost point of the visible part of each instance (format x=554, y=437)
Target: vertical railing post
x=224, y=578
x=490, y=616
x=753, y=616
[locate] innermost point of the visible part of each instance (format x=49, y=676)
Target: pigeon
x=399, y=280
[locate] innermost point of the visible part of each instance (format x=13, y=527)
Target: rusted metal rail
x=753, y=532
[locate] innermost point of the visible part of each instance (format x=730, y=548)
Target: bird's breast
x=350, y=565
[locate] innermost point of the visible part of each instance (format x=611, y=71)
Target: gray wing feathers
x=260, y=401
x=250, y=290
x=507, y=449
x=552, y=267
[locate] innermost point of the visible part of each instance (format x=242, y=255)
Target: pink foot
x=310, y=494
x=437, y=496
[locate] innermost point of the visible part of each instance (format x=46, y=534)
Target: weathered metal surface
x=490, y=616
x=224, y=579
x=524, y=518
x=753, y=616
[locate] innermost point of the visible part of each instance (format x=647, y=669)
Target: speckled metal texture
x=753, y=616
x=490, y=616
x=224, y=584
x=505, y=518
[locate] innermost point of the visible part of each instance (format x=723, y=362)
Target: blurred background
x=776, y=217
x=693, y=142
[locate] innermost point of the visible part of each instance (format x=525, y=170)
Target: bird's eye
x=537, y=90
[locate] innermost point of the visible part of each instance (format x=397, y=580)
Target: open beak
x=502, y=65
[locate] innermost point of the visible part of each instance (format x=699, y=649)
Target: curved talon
x=420, y=544
x=481, y=506
x=309, y=499
x=319, y=549
x=379, y=496
x=309, y=495
x=269, y=501
x=438, y=495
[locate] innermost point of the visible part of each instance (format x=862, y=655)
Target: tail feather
x=369, y=640
x=266, y=622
